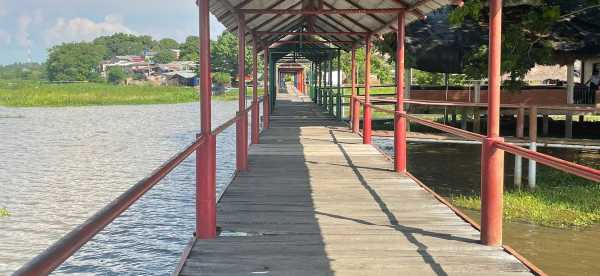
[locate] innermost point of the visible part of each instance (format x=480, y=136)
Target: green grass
x=36, y=94
x=4, y=212
x=560, y=200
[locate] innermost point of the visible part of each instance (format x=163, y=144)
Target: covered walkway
x=317, y=201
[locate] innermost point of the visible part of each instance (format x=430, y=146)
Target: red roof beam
x=314, y=33
x=323, y=11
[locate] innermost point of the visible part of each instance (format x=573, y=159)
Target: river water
x=58, y=166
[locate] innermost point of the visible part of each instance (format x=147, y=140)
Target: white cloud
x=22, y=35
x=5, y=38
x=84, y=29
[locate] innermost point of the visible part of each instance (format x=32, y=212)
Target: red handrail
x=557, y=163
x=61, y=250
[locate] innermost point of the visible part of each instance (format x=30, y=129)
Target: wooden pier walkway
x=316, y=201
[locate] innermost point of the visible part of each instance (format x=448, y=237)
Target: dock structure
x=317, y=201
x=312, y=196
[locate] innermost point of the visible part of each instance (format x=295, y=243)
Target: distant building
x=181, y=78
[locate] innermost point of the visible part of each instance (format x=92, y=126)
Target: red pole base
x=492, y=188
x=355, y=115
x=367, y=125
x=255, y=123
x=242, y=143
x=206, y=211
x=399, y=143
x=266, y=112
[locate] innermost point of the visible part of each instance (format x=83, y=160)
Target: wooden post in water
x=570, y=99
x=545, y=126
x=463, y=118
x=476, y=112
x=518, y=159
x=533, y=146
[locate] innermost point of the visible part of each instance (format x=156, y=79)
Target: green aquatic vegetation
x=36, y=94
x=4, y=212
x=560, y=200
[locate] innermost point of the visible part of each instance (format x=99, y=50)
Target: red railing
x=557, y=163
x=61, y=250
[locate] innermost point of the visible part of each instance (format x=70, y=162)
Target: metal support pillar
x=355, y=105
x=266, y=106
x=339, y=98
x=399, y=121
x=367, y=107
x=206, y=213
x=255, y=108
x=492, y=167
x=242, y=123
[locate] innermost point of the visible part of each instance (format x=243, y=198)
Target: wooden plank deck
x=316, y=201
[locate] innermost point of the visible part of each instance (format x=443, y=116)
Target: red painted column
x=255, y=107
x=367, y=108
x=492, y=159
x=242, y=123
x=355, y=105
x=206, y=218
x=399, y=121
x=266, y=100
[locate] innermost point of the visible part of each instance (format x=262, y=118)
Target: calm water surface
x=454, y=169
x=58, y=166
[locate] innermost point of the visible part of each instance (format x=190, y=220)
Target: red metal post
x=399, y=121
x=266, y=100
x=242, y=124
x=367, y=108
x=355, y=105
x=255, y=108
x=492, y=159
x=206, y=218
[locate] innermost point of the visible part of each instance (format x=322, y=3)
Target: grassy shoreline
x=36, y=94
x=560, y=200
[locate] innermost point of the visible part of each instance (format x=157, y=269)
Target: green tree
x=168, y=44
x=224, y=55
x=526, y=38
x=379, y=66
x=116, y=75
x=165, y=56
x=75, y=62
x=121, y=44
x=189, y=49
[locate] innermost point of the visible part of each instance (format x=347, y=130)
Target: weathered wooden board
x=316, y=201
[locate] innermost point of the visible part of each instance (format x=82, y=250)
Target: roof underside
x=379, y=23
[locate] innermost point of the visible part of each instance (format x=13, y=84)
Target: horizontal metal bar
x=322, y=11
x=312, y=33
x=566, y=166
x=55, y=255
x=314, y=42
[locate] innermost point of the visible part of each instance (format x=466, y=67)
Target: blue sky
x=35, y=25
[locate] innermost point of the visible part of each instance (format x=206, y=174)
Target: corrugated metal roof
x=224, y=10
